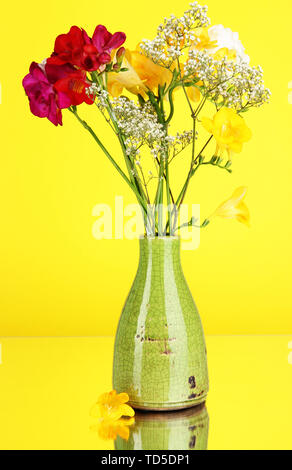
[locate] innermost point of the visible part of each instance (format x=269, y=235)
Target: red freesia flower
x=78, y=49
x=51, y=88
x=44, y=101
x=75, y=48
x=74, y=86
x=105, y=42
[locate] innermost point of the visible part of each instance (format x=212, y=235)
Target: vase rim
x=159, y=237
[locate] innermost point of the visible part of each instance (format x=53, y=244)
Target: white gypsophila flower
x=138, y=124
x=228, y=83
x=176, y=144
x=225, y=38
x=175, y=35
x=247, y=88
x=95, y=91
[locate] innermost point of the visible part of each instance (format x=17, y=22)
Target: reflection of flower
x=110, y=429
x=229, y=130
x=110, y=408
x=234, y=208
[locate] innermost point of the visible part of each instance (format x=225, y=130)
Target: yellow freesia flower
x=142, y=74
x=151, y=74
x=203, y=40
x=225, y=52
x=229, y=130
x=193, y=93
x=109, y=429
x=112, y=405
x=234, y=208
x=110, y=409
x=130, y=80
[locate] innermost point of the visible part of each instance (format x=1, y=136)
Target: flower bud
x=120, y=55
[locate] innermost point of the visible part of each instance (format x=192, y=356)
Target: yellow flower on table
x=142, y=74
x=229, y=130
x=111, y=409
x=234, y=208
x=112, y=405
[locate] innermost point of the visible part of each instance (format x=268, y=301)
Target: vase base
x=167, y=406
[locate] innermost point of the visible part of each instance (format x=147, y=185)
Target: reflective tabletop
x=49, y=385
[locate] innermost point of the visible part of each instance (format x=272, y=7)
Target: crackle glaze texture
x=160, y=353
x=175, y=430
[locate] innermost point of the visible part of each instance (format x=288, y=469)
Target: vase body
x=160, y=353
x=174, y=430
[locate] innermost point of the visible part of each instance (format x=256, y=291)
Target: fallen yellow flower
x=112, y=405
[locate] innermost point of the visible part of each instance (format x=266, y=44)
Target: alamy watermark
x=126, y=221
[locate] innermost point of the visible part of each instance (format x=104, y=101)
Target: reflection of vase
x=173, y=430
x=160, y=354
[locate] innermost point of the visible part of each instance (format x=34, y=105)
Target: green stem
x=203, y=225
x=129, y=163
x=184, y=89
x=105, y=151
x=203, y=148
x=171, y=105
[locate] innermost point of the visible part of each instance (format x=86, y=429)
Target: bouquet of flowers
x=135, y=92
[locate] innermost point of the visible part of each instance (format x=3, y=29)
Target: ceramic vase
x=160, y=353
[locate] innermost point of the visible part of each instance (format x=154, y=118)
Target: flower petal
x=123, y=397
x=126, y=410
x=116, y=41
x=100, y=37
x=207, y=123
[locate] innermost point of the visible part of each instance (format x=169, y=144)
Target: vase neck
x=160, y=252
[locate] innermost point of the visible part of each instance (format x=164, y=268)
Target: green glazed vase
x=160, y=353
x=173, y=430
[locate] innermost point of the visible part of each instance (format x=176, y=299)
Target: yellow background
x=55, y=278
